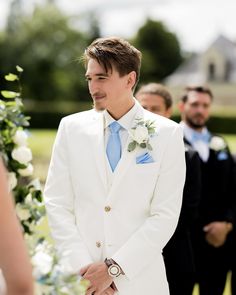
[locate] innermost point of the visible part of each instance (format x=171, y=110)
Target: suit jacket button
x=107, y=209
x=98, y=244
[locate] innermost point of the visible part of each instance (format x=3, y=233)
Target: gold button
x=98, y=244
x=107, y=208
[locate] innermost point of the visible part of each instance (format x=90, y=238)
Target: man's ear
x=169, y=112
x=131, y=79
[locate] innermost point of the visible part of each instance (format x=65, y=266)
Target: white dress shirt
x=201, y=146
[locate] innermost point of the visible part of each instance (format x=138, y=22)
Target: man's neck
x=121, y=109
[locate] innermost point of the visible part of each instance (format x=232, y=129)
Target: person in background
x=14, y=261
x=215, y=221
x=233, y=239
x=178, y=253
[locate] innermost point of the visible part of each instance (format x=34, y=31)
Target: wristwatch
x=113, y=268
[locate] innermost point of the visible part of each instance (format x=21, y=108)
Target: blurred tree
x=160, y=48
x=45, y=45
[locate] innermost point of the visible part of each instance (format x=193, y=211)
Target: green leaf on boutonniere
x=132, y=146
x=149, y=147
x=143, y=145
x=151, y=130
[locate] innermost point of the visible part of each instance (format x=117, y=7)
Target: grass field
x=41, y=142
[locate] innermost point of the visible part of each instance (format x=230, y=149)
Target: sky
x=195, y=22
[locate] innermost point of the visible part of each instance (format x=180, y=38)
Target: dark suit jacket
x=178, y=253
x=216, y=204
x=217, y=180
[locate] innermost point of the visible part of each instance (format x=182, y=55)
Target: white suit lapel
x=96, y=133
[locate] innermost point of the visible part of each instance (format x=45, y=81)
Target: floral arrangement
x=17, y=156
x=141, y=133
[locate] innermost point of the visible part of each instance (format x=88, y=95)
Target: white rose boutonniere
x=217, y=143
x=141, y=134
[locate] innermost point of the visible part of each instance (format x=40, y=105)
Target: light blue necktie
x=199, y=136
x=114, y=145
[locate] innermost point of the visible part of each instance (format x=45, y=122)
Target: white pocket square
x=144, y=159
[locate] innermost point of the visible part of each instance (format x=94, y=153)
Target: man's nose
x=93, y=87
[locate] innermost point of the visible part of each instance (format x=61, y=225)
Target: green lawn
x=41, y=142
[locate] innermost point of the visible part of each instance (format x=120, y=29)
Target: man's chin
x=98, y=106
x=196, y=124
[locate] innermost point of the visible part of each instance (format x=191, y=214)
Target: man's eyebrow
x=97, y=75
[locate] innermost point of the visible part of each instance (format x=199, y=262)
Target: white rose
x=42, y=263
x=217, y=143
x=22, y=154
x=12, y=181
x=28, y=199
x=36, y=184
x=26, y=171
x=140, y=134
x=22, y=213
x=20, y=138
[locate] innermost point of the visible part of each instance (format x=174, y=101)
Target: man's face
x=196, y=110
x=154, y=103
x=108, y=90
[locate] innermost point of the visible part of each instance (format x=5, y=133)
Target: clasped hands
x=216, y=232
x=100, y=281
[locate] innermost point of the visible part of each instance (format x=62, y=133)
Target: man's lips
x=98, y=97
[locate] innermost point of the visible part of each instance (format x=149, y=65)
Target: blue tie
x=114, y=145
x=198, y=136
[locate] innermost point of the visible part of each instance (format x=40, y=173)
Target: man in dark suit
x=233, y=237
x=178, y=253
x=215, y=221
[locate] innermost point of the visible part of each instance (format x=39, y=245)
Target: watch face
x=114, y=270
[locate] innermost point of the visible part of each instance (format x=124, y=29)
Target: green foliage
x=160, y=49
x=48, y=47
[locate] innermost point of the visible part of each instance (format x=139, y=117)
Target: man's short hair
x=199, y=89
x=157, y=89
x=117, y=52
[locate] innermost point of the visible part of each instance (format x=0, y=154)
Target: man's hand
x=97, y=275
x=216, y=232
x=108, y=291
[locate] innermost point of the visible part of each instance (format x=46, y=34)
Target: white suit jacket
x=132, y=220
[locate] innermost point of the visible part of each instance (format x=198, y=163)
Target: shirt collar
x=125, y=121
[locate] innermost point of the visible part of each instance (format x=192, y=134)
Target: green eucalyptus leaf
x=132, y=146
x=9, y=94
x=143, y=145
x=11, y=77
x=151, y=130
x=19, y=69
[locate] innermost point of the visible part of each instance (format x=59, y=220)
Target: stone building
x=216, y=64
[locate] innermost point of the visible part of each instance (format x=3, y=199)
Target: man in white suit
x=114, y=187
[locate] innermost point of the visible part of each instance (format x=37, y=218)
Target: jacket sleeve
x=59, y=201
x=149, y=240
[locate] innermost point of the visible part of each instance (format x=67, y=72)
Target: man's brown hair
x=157, y=89
x=114, y=52
x=200, y=89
